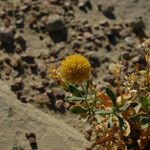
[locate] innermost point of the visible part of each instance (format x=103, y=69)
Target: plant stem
x=148, y=70
x=119, y=89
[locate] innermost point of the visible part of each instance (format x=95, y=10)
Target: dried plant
x=122, y=118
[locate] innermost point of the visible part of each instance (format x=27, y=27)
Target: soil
x=103, y=32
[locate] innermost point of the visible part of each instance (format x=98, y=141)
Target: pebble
x=6, y=35
x=17, y=84
x=130, y=41
x=94, y=58
x=55, y=23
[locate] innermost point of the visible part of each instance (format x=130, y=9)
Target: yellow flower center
x=75, y=69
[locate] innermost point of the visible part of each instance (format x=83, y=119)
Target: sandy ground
x=17, y=119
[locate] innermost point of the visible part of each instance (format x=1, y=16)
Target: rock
x=43, y=99
x=130, y=41
x=88, y=36
x=15, y=61
x=55, y=23
x=110, y=79
x=107, y=9
x=6, y=35
x=84, y=5
x=17, y=148
x=58, y=93
x=17, y=84
x=55, y=1
x=20, y=40
x=42, y=69
x=37, y=85
x=59, y=104
x=126, y=56
x=28, y=58
x=26, y=7
x=94, y=58
x=137, y=25
x=20, y=21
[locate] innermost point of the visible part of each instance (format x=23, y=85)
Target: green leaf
x=102, y=112
x=145, y=101
x=110, y=123
x=76, y=109
x=135, y=117
x=74, y=98
x=124, y=107
x=145, y=119
x=73, y=89
x=121, y=123
x=112, y=96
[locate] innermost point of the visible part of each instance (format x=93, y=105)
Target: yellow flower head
x=75, y=69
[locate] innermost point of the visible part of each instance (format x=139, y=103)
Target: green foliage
x=145, y=101
x=74, y=99
x=112, y=96
x=76, y=109
x=74, y=90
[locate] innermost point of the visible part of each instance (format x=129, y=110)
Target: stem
x=119, y=89
x=148, y=70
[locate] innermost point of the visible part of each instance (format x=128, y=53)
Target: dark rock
x=59, y=93
x=94, y=58
x=17, y=84
x=6, y=35
x=42, y=69
x=137, y=25
x=59, y=104
x=55, y=23
x=107, y=9
x=110, y=79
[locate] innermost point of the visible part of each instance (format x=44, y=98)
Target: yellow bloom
x=75, y=69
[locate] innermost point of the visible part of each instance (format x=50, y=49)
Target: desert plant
x=121, y=116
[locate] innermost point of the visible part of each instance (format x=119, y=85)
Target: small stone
x=17, y=84
x=26, y=7
x=29, y=59
x=59, y=93
x=42, y=69
x=130, y=41
x=110, y=79
x=37, y=85
x=107, y=9
x=59, y=104
x=94, y=59
x=55, y=23
x=20, y=22
x=15, y=61
x=126, y=56
x=6, y=35
x=137, y=25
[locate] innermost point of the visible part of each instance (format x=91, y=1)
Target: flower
x=75, y=69
x=53, y=73
x=115, y=68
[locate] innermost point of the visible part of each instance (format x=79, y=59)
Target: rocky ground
x=36, y=34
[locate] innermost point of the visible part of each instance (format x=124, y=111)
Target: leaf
x=110, y=123
x=135, y=117
x=145, y=119
x=73, y=89
x=125, y=107
x=102, y=112
x=112, y=96
x=145, y=101
x=74, y=98
x=121, y=123
x=76, y=109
